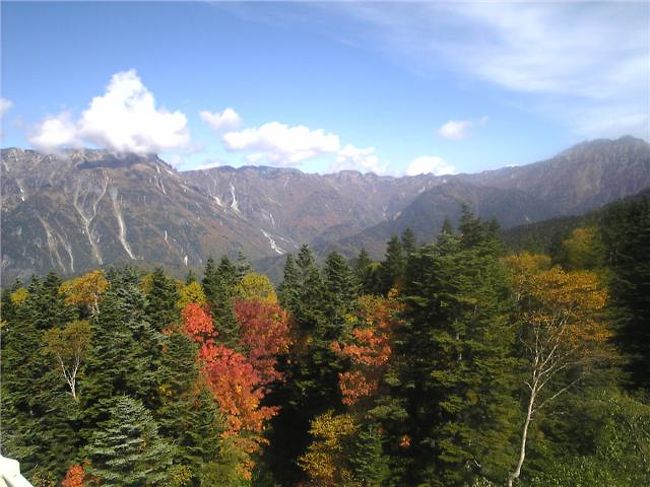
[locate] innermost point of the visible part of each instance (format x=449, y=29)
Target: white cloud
x=229, y=119
x=123, y=119
x=460, y=129
x=55, y=132
x=429, y=165
x=282, y=144
x=5, y=105
x=567, y=60
x=358, y=159
x=455, y=129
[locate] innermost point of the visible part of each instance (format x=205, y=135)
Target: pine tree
x=125, y=358
x=127, y=450
x=364, y=272
x=369, y=464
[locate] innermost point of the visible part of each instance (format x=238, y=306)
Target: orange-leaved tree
x=235, y=385
x=74, y=477
x=368, y=347
x=562, y=327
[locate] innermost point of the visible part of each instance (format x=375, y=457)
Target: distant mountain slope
x=88, y=208
x=586, y=176
x=84, y=208
x=294, y=208
x=580, y=179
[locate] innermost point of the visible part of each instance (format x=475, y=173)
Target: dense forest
x=459, y=362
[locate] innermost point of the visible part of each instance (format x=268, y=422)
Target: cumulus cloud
x=359, y=159
x=459, y=129
x=123, y=119
x=429, y=165
x=5, y=105
x=55, y=132
x=229, y=119
x=282, y=144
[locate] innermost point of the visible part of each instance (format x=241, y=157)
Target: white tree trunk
x=524, y=436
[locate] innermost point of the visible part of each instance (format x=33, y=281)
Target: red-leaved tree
x=264, y=328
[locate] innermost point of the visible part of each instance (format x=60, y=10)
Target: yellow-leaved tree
x=85, y=290
x=326, y=459
x=562, y=326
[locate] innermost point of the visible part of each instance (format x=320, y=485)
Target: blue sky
x=395, y=88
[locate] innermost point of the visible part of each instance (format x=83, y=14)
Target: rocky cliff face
x=86, y=208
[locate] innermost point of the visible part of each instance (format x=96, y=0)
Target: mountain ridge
x=91, y=207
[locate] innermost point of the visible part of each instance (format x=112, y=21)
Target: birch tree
x=562, y=328
x=68, y=346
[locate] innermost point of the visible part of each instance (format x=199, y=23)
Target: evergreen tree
x=458, y=371
x=242, y=266
x=409, y=242
x=365, y=271
x=127, y=450
x=625, y=230
x=341, y=286
x=125, y=358
x=447, y=227
x=219, y=286
x=289, y=288
x=160, y=308
x=39, y=416
x=190, y=277
x=391, y=271
x=369, y=463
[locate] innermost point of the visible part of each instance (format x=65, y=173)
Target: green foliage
x=625, y=230
x=160, y=309
x=219, y=287
x=457, y=367
x=126, y=448
x=430, y=396
x=391, y=270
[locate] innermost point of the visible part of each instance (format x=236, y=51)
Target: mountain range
x=81, y=209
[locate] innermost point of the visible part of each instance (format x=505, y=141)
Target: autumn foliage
x=368, y=348
x=264, y=334
x=238, y=378
x=74, y=477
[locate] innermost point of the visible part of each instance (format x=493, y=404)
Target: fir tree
x=127, y=450
x=409, y=242
x=160, y=309
x=288, y=290
x=458, y=371
x=341, y=286
x=219, y=285
x=367, y=273
x=392, y=268
x=242, y=266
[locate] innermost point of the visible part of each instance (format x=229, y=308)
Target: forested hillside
x=458, y=362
